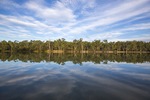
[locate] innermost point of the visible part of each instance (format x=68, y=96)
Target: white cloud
x=137, y=27
x=103, y=36
x=142, y=37
x=25, y=21
x=72, y=18
x=9, y=4
x=14, y=20
x=56, y=13
x=80, y=5
x=112, y=15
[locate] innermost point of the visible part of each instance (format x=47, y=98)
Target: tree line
x=76, y=58
x=61, y=45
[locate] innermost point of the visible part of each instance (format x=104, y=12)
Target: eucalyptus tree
x=105, y=45
x=134, y=45
x=75, y=45
x=47, y=45
x=81, y=44
x=12, y=45
x=23, y=46
x=86, y=45
x=63, y=44
x=4, y=46
x=37, y=45
x=57, y=44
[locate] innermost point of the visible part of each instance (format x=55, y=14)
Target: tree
x=4, y=46
x=74, y=46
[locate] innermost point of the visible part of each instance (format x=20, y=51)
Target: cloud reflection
x=89, y=81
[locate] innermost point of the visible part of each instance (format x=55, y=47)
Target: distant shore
x=75, y=46
x=84, y=51
x=61, y=51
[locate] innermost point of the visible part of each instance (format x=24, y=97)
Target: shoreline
x=62, y=51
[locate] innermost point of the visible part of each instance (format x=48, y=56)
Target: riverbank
x=87, y=51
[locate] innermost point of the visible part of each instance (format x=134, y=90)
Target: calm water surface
x=73, y=80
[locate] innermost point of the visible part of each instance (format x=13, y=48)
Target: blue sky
x=73, y=19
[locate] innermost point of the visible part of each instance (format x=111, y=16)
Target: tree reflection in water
x=76, y=58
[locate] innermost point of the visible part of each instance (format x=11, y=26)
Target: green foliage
x=74, y=46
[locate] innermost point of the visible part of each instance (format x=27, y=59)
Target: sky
x=114, y=20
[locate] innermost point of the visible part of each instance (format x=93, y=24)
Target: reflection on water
x=74, y=77
x=76, y=58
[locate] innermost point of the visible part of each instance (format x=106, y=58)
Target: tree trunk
x=49, y=46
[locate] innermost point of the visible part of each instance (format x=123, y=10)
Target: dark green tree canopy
x=80, y=45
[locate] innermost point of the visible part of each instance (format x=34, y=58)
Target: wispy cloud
x=57, y=13
x=137, y=27
x=72, y=19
